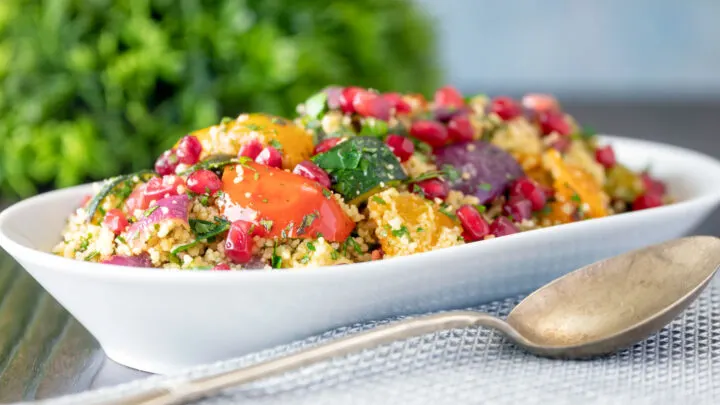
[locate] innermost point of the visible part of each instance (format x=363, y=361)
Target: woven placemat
x=681, y=363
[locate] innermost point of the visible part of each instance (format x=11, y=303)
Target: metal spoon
x=594, y=310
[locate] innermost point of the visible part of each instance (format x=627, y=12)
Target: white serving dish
x=160, y=320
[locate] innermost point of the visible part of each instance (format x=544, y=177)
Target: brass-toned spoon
x=594, y=310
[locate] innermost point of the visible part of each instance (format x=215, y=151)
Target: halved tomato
x=283, y=204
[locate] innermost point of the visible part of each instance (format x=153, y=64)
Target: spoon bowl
x=597, y=309
x=613, y=303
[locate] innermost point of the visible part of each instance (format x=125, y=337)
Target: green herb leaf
x=378, y=200
x=310, y=246
x=91, y=255
x=214, y=163
x=276, y=144
x=485, y=186
x=327, y=193
x=576, y=198
x=150, y=210
x=267, y=224
x=451, y=172
x=374, y=127
x=226, y=120
x=275, y=260
x=402, y=231
x=316, y=105
x=305, y=259
x=481, y=208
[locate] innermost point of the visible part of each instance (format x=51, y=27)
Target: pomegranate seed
x=369, y=104
x=474, y=225
x=376, y=254
x=166, y=186
x=519, y=208
x=529, y=190
x=189, y=150
x=402, y=147
x=431, y=188
x=250, y=149
x=448, y=96
x=333, y=96
x=553, y=121
x=239, y=243
x=460, y=129
x=562, y=144
x=346, y=99
x=269, y=156
x=540, y=102
x=222, y=266
x=502, y=226
x=396, y=100
x=115, y=221
x=605, y=156
x=203, y=181
x=326, y=145
x=431, y=132
x=166, y=163
x=505, y=107
x=647, y=200
x=653, y=186
x=311, y=171
x=137, y=200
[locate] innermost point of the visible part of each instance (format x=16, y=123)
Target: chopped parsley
x=91, y=255
x=575, y=197
x=276, y=144
x=203, y=231
x=307, y=221
x=334, y=255
x=327, y=193
x=305, y=259
x=546, y=210
x=226, y=120
x=204, y=200
x=84, y=243
x=445, y=209
x=485, y=186
x=256, y=176
x=417, y=190
x=253, y=127
x=121, y=239
x=351, y=241
x=150, y=210
x=419, y=229
x=279, y=121
x=481, y=208
x=402, y=231
x=310, y=246
x=451, y=172
x=378, y=200
x=275, y=260
x=287, y=232
x=267, y=224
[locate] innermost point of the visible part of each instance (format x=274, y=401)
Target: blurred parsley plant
x=92, y=88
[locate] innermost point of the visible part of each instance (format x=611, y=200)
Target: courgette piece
x=361, y=167
x=214, y=163
x=126, y=180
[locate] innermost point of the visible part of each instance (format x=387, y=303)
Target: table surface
x=44, y=352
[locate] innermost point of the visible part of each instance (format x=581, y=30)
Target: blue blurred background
x=591, y=50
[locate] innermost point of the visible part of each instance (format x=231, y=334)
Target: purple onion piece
x=142, y=260
x=173, y=208
x=445, y=114
x=490, y=169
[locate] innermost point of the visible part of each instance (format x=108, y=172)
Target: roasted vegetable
x=622, y=184
x=484, y=169
x=360, y=167
x=122, y=185
x=283, y=204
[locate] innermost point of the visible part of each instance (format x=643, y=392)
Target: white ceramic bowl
x=160, y=320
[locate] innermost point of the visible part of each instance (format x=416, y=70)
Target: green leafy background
x=92, y=88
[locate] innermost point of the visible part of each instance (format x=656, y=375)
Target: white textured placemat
x=472, y=366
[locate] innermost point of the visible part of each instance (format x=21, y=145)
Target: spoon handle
x=207, y=386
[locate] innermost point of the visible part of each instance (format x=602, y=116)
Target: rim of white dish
x=124, y=272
